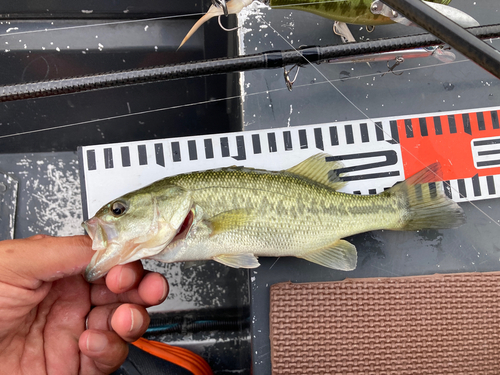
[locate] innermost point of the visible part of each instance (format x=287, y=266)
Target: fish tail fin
x=427, y=206
x=212, y=12
x=233, y=7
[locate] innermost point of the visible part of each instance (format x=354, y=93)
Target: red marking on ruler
x=451, y=149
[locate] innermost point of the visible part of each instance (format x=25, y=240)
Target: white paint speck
x=290, y=115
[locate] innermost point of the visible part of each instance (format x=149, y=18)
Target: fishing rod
x=265, y=60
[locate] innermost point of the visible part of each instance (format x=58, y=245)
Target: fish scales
x=315, y=214
x=234, y=215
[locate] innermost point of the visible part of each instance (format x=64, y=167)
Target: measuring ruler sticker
x=375, y=153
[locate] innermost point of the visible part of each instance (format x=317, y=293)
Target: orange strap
x=180, y=356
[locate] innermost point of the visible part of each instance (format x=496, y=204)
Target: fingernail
x=135, y=320
x=96, y=342
x=127, y=278
x=165, y=290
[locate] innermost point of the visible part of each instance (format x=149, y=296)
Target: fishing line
x=119, y=116
x=65, y=28
x=322, y=75
x=369, y=119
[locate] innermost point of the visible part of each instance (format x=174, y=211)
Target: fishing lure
x=360, y=12
x=393, y=59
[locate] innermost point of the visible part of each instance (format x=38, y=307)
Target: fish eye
x=118, y=208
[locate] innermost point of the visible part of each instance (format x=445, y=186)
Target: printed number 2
x=391, y=158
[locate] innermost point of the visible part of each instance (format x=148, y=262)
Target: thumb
x=28, y=262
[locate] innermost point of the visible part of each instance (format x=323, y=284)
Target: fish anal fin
x=229, y=220
x=319, y=169
x=340, y=255
x=246, y=260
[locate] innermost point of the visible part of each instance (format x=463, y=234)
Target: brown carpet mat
x=439, y=324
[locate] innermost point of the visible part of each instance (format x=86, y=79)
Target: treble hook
x=399, y=60
x=286, y=73
x=221, y=4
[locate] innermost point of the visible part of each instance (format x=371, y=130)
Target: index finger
x=27, y=262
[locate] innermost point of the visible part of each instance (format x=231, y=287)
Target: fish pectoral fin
x=247, y=260
x=341, y=255
x=321, y=169
x=229, y=220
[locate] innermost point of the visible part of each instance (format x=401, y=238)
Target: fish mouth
x=103, y=261
x=102, y=236
x=110, y=252
x=98, y=232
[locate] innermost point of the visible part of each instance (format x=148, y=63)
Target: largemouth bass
x=234, y=215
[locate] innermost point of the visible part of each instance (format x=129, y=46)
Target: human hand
x=45, y=301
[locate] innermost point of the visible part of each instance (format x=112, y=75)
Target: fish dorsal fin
x=229, y=220
x=247, y=260
x=318, y=169
x=341, y=255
